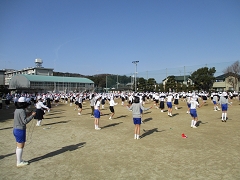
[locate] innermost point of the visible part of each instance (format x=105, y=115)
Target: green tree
x=141, y=84
x=203, y=78
x=185, y=88
x=3, y=90
x=170, y=84
x=161, y=88
x=151, y=83
x=178, y=87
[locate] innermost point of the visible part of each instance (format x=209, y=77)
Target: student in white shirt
x=176, y=98
x=169, y=104
x=111, y=107
x=40, y=107
x=193, y=111
x=97, y=112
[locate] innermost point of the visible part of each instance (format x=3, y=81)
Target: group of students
x=160, y=99
x=135, y=104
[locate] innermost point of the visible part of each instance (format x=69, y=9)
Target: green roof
x=40, y=78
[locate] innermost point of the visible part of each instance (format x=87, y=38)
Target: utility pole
x=135, y=62
x=106, y=83
x=117, y=81
x=184, y=75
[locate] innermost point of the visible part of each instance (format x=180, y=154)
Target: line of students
x=21, y=117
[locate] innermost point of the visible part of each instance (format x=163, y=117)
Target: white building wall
x=30, y=71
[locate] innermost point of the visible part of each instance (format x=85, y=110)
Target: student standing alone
x=136, y=108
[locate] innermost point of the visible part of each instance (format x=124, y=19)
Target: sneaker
x=110, y=118
x=194, y=126
x=161, y=110
x=23, y=163
x=38, y=125
x=79, y=114
x=170, y=115
x=97, y=128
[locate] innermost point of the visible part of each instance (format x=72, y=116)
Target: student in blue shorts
x=193, y=111
x=136, y=108
x=223, y=101
x=19, y=128
x=97, y=112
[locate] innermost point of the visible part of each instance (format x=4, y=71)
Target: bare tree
x=233, y=74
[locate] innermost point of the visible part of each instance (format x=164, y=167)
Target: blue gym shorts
x=137, y=121
x=96, y=113
x=169, y=104
x=20, y=135
x=193, y=113
x=224, y=107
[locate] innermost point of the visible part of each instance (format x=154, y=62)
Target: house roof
x=40, y=78
x=223, y=76
x=179, y=78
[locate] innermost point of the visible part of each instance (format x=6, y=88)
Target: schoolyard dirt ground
x=67, y=146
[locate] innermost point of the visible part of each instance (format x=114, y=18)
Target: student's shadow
x=53, y=113
x=122, y=116
x=59, y=151
x=3, y=156
x=54, y=117
x=6, y=128
x=146, y=120
x=149, y=132
x=175, y=114
x=111, y=125
x=200, y=122
x=105, y=114
x=59, y=122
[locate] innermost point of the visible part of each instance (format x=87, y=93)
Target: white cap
x=22, y=99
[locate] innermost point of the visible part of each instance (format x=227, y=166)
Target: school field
x=67, y=146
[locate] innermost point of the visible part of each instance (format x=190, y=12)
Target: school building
x=44, y=84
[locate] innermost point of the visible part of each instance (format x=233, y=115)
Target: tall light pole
x=117, y=82
x=106, y=83
x=135, y=62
